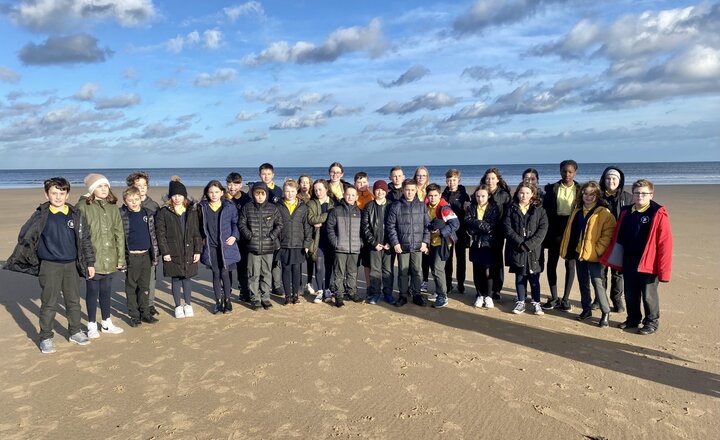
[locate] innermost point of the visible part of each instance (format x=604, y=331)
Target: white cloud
x=313, y=120
x=121, y=101
x=86, y=92
x=430, y=101
x=221, y=76
x=212, y=38
x=339, y=111
x=340, y=42
x=253, y=7
x=8, y=75
x=483, y=73
x=60, y=15
x=414, y=73
x=245, y=116
x=484, y=14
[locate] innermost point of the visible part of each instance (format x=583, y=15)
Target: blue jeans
x=521, y=286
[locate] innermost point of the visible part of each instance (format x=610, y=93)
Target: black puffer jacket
x=406, y=223
x=261, y=226
x=180, y=244
x=482, y=232
x=459, y=201
x=296, y=232
x=24, y=258
x=372, y=226
x=154, y=251
x=621, y=197
x=343, y=228
x=525, y=233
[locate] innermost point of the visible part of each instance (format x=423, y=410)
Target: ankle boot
x=227, y=306
x=218, y=307
x=604, y=320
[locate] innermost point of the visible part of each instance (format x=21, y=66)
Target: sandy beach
x=378, y=372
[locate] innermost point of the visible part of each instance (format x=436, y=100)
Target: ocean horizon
x=660, y=173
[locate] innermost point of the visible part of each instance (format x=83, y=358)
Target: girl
x=500, y=194
x=481, y=220
x=336, y=186
x=305, y=194
x=219, y=218
x=108, y=239
x=532, y=177
x=178, y=235
x=295, y=240
x=321, y=250
x=588, y=234
x=525, y=227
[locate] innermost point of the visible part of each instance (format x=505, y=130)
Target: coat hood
x=603, y=188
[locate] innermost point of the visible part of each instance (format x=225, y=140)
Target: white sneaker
x=109, y=327
x=489, y=304
x=188, y=311
x=319, y=297
x=93, y=332
x=309, y=289
x=479, y=301
x=432, y=297
x=179, y=312
x=537, y=308
x=328, y=295
x=519, y=307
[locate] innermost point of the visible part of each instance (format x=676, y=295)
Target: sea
x=660, y=173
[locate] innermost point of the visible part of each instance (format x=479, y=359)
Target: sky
x=144, y=83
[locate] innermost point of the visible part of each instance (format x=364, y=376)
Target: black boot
x=419, y=300
x=585, y=314
x=339, y=302
x=218, y=307
x=227, y=306
x=604, y=320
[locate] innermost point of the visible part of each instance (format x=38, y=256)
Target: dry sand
x=313, y=371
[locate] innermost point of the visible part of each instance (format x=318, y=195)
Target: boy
x=444, y=225
x=275, y=196
x=372, y=228
x=407, y=229
x=457, y=197
x=260, y=225
x=236, y=195
x=642, y=249
x=364, y=197
x=343, y=228
x=141, y=181
x=54, y=245
x=141, y=254
x=397, y=177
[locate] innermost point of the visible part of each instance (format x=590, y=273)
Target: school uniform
x=141, y=254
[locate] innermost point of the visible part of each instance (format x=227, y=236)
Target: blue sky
x=143, y=83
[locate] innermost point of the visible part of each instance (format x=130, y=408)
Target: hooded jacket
x=458, y=200
x=227, y=228
x=524, y=234
x=594, y=240
x=261, y=225
x=296, y=232
x=180, y=244
x=24, y=258
x=343, y=228
x=106, y=233
x=621, y=198
x=406, y=224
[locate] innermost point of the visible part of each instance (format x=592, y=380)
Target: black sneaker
x=227, y=306
x=339, y=301
x=565, y=306
x=153, y=311
x=401, y=301
x=134, y=322
x=255, y=305
x=150, y=319
x=550, y=304
x=419, y=300
x=266, y=304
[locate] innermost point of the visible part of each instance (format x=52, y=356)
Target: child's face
x=410, y=191
x=102, y=191
x=491, y=179
x=57, y=197
x=350, y=196
x=133, y=202
x=304, y=184
x=335, y=174
x=452, y=182
x=482, y=196
x=433, y=197
x=589, y=198
x=260, y=196
x=524, y=195
x=142, y=185
x=612, y=182
x=320, y=191
x=568, y=174
x=178, y=199
x=380, y=194
x=214, y=194
x=361, y=184
x=267, y=176
x=530, y=179
x=290, y=193
x=397, y=177
x=234, y=188
x=642, y=196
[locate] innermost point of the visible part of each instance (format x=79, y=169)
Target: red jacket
x=657, y=256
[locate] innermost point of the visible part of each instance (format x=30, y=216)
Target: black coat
x=459, y=201
x=556, y=224
x=483, y=233
x=154, y=251
x=372, y=226
x=343, y=228
x=180, y=245
x=296, y=232
x=621, y=198
x=261, y=226
x=24, y=258
x=525, y=234
x=406, y=224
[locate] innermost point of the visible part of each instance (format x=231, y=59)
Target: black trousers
x=55, y=278
x=640, y=288
x=459, y=254
x=137, y=285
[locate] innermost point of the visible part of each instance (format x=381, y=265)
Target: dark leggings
x=426, y=267
x=553, y=258
x=99, y=286
x=179, y=283
x=222, y=286
x=482, y=279
x=323, y=269
x=292, y=279
x=310, y=268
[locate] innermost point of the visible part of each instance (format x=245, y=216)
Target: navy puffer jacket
x=406, y=223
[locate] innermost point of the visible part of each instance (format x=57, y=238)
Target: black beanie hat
x=176, y=187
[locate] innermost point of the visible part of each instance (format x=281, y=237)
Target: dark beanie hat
x=176, y=187
x=380, y=184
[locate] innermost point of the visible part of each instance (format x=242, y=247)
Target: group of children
x=332, y=227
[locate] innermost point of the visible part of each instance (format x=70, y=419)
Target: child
x=218, y=220
x=531, y=176
x=180, y=243
x=587, y=236
x=305, y=194
x=295, y=241
x=372, y=228
x=482, y=218
x=141, y=181
x=141, y=254
x=54, y=245
x=525, y=227
x=558, y=203
x=343, y=229
x=321, y=251
x=397, y=177
x=456, y=195
x=642, y=248
x=108, y=239
x=239, y=198
x=500, y=195
x=274, y=196
x=612, y=187
x=261, y=225
x=443, y=228
x=363, y=191
x=407, y=230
